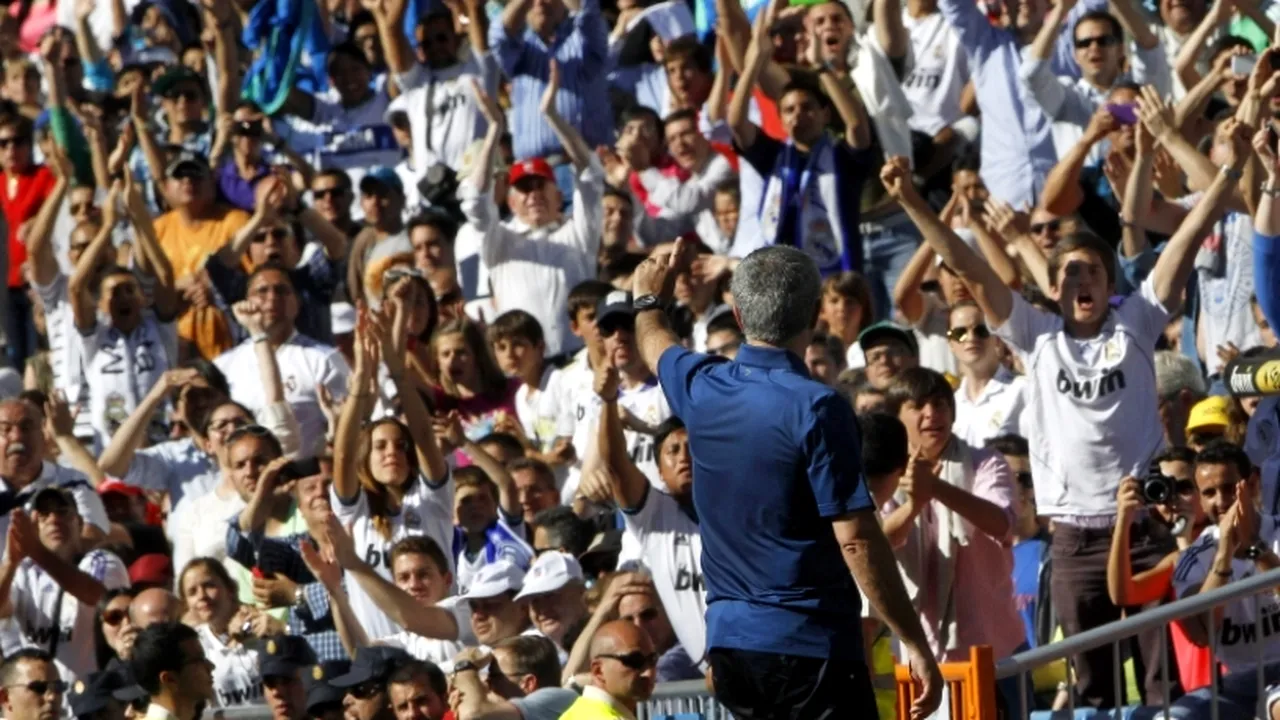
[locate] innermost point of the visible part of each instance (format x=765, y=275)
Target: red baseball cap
x=534, y=167
x=152, y=569
x=115, y=486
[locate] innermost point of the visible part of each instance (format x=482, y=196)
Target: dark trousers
x=20, y=329
x=766, y=686
x=1080, y=600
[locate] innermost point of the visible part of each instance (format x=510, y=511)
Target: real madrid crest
x=79, y=687
x=272, y=647
x=317, y=673
x=411, y=519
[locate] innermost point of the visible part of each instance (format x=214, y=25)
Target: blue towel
x=285, y=31
x=704, y=14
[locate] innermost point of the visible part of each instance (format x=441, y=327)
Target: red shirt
x=32, y=189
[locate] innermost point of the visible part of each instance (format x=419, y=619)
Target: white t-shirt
x=1091, y=415
x=647, y=403
x=64, y=354
x=579, y=409
x=1225, y=315
x=435, y=650
x=539, y=410
x=304, y=363
x=121, y=368
x=88, y=503
x=444, y=119
x=355, y=139
x=236, y=680
x=425, y=510
x=671, y=549
x=1238, y=636
x=997, y=410
x=202, y=530
x=510, y=546
x=938, y=71
x=40, y=607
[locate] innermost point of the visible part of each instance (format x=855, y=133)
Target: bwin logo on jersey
x=44, y=635
x=374, y=557
x=1105, y=384
x=688, y=580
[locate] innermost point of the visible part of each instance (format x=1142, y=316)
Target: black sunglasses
x=366, y=690
x=960, y=333
x=114, y=617
x=188, y=94
x=635, y=659
x=332, y=192
x=1039, y=228
x=1105, y=41
x=43, y=687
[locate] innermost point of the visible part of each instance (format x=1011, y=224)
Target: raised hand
x=1116, y=167
x=1102, y=124
x=339, y=541
x=267, y=479
x=1264, y=144
x=1007, y=221
x=917, y=482
x=58, y=416
x=895, y=175
x=1129, y=498
x=249, y=315
x=489, y=107
x=616, y=171
x=325, y=569
x=1155, y=113
x=1238, y=148
x=606, y=382
x=548, y=105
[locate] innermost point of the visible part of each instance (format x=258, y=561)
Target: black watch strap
x=647, y=302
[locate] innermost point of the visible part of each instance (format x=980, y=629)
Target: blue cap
x=43, y=119
x=384, y=176
x=375, y=662
x=316, y=682
x=285, y=655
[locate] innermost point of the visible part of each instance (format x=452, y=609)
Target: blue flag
x=704, y=14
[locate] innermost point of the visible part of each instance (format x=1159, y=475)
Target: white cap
x=342, y=318
x=550, y=572
x=494, y=579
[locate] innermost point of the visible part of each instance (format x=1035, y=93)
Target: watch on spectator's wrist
x=1255, y=551
x=1232, y=173
x=299, y=597
x=647, y=302
x=258, y=337
x=463, y=666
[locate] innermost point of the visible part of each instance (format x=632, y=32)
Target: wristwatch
x=1255, y=551
x=463, y=666
x=299, y=598
x=647, y=302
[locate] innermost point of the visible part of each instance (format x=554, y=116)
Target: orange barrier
x=972, y=683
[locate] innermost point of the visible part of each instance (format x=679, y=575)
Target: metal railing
x=680, y=698
x=1067, y=649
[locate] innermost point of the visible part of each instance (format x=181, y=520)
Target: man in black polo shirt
x=783, y=613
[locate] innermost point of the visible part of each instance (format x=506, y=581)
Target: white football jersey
x=671, y=549
x=120, y=369
x=425, y=510
x=88, y=503
x=435, y=650
x=42, y=610
x=236, y=680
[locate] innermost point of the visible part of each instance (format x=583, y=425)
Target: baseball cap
x=130, y=690
x=375, y=662
x=494, y=579
x=285, y=656
x=885, y=330
x=187, y=159
x=1209, y=413
x=316, y=683
x=91, y=693
x=46, y=499
x=116, y=486
x=533, y=167
x=342, y=318
x=151, y=569
x=381, y=178
x=550, y=572
x=615, y=303
x=164, y=84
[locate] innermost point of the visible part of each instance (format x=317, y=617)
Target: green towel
x=1243, y=27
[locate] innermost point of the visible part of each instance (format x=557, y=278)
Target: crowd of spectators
x=323, y=387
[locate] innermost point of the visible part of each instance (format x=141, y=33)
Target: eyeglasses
x=961, y=333
x=324, y=193
x=114, y=617
x=1040, y=228
x=278, y=234
x=635, y=659
x=1105, y=41
x=607, y=329
x=13, y=141
x=365, y=690
x=725, y=349
x=43, y=687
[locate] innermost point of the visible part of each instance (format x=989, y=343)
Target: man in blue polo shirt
x=783, y=613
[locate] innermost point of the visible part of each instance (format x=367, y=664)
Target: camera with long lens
x=1157, y=488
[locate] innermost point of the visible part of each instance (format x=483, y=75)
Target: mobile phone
x=1243, y=64
x=1124, y=113
x=298, y=469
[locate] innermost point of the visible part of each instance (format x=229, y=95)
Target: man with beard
x=663, y=524
x=51, y=589
x=304, y=363
x=24, y=472
x=286, y=657
x=418, y=690
x=169, y=663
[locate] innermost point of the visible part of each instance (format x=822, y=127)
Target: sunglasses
x=366, y=690
x=635, y=659
x=189, y=94
x=1040, y=228
x=9, y=142
x=43, y=687
x=325, y=193
x=277, y=234
x=960, y=333
x=399, y=272
x=1105, y=41
x=189, y=173
x=611, y=326
x=114, y=617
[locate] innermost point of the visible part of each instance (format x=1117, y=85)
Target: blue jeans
x=20, y=329
x=1008, y=689
x=1237, y=697
x=887, y=247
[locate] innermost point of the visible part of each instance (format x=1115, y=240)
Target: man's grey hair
x=1176, y=372
x=776, y=290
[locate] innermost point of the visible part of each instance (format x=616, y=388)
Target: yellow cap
x=1209, y=413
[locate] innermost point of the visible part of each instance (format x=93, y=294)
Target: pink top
x=479, y=413
x=38, y=23
x=982, y=584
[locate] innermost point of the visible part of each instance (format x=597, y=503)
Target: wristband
x=1271, y=191
x=260, y=337
x=1232, y=173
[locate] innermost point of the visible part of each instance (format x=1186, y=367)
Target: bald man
x=623, y=672
x=25, y=471
x=152, y=606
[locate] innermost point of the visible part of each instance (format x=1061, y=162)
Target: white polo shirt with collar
x=996, y=411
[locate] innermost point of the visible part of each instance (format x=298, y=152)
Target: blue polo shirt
x=776, y=456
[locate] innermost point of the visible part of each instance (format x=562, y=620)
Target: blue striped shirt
x=581, y=47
